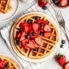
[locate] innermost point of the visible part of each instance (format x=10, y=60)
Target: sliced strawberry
x=35, y=26
x=2, y=64
x=38, y=40
x=33, y=34
x=64, y=3
x=19, y=34
x=47, y=34
x=66, y=65
x=22, y=36
x=31, y=44
x=47, y=28
x=36, y=45
x=23, y=24
x=26, y=47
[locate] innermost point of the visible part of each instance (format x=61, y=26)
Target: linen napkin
x=5, y=32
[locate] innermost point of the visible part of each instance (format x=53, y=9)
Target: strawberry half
x=42, y=3
x=22, y=36
x=47, y=28
x=66, y=65
x=35, y=26
x=2, y=64
x=47, y=34
x=61, y=59
x=38, y=40
x=63, y=3
x=30, y=44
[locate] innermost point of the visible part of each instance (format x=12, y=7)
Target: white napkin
x=5, y=32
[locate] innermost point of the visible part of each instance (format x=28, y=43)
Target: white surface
x=8, y=15
x=52, y=64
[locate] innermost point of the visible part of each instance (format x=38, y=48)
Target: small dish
x=7, y=16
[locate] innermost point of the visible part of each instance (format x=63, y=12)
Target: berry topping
x=47, y=34
x=44, y=7
x=29, y=21
x=55, y=1
x=61, y=46
x=47, y=28
x=18, y=43
x=35, y=26
x=61, y=59
x=2, y=64
x=38, y=40
x=37, y=18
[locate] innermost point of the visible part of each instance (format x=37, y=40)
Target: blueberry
x=35, y=50
x=29, y=21
x=63, y=41
x=58, y=4
x=37, y=17
x=44, y=7
x=55, y=1
x=61, y=46
x=41, y=33
x=33, y=33
x=41, y=24
x=28, y=36
x=18, y=42
x=20, y=29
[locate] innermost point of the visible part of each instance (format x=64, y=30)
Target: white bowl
x=47, y=57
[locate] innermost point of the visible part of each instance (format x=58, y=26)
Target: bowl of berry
x=61, y=3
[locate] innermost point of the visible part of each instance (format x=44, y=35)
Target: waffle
x=5, y=6
x=49, y=44
x=10, y=64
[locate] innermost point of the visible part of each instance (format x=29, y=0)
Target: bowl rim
x=53, y=52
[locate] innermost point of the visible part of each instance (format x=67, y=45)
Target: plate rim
x=42, y=59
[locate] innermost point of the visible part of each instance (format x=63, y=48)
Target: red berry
x=47, y=28
x=35, y=26
x=38, y=40
x=61, y=59
x=47, y=34
x=22, y=36
x=2, y=64
x=42, y=3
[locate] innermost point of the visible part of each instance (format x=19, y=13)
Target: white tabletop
x=51, y=64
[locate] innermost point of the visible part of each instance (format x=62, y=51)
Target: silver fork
x=60, y=20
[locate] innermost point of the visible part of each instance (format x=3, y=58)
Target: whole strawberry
x=61, y=59
x=42, y=3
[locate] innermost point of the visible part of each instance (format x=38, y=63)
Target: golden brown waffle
x=49, y=44
x=5, y=6
x=11, y=64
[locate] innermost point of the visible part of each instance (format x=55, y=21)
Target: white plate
x=10, y=14
x=45, y=58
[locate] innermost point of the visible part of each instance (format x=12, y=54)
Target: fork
x=61, y=21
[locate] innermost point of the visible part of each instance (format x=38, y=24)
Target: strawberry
x=47, y=34
x=66, y=65
x=42, y=3
x=35, y=26
x=23, y=24
x=47, y=28
x=38, y=40
x=36, y=45
x=61, y=59
x=30, y=44
x=2, y=64
x=22, y=36
x=26, y=47
x=63, y=3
